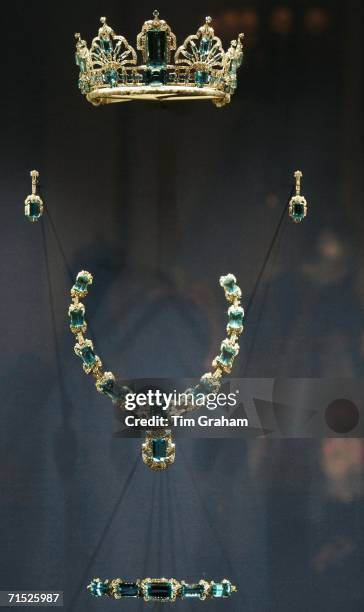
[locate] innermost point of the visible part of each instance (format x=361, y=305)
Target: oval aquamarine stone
x=159, y=449
x=128, y=589
x=192, y=591
x=160, y=590
x=156, y=48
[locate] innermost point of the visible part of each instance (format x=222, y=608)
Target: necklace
x=158, y=449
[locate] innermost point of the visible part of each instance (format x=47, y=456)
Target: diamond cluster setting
x=158, y=450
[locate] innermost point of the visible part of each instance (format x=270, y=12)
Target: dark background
x=158, y=201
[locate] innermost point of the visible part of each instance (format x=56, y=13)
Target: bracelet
x=161, y=589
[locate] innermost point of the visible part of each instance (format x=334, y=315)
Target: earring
x=33, y=209
x=298, y=204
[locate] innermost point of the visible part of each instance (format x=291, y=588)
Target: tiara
x=199, y=69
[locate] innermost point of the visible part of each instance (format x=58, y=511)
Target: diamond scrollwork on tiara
x=198, y=69
x=203, y=55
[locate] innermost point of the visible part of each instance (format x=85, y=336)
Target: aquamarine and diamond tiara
x=199, y=69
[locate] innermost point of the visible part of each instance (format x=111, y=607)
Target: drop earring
x=298, y=205
x=33, y=209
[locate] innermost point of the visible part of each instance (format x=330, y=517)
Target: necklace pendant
x=158, y=449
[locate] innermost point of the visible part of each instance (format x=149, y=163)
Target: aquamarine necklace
x=158, y=449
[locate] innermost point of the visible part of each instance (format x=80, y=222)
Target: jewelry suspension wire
x=173, y=513
x=207, y=514
x=149, y=528
x=259, y=281
x=48, y=216
x=104, y=532
x=59, y=367
x=268, y=254
x=260, y=311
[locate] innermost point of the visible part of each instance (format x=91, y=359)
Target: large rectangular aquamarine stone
x=159, y=448
x=160, y=590
x=156, y=47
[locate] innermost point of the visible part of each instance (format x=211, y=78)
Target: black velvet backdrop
x=158, y=201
